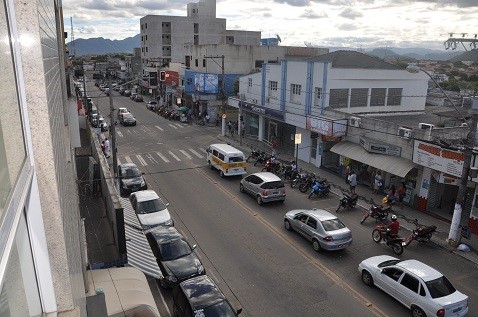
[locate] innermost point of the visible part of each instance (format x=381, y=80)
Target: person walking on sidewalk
x=352, y=182
x=107, y=148
x=402, y=191
x=347, y=173
x=378, y=183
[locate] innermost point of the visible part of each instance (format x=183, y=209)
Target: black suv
x=175, y=257
x=200, y=296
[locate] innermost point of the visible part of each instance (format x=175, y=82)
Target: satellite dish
x=278, y=37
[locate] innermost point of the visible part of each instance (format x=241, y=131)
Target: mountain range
x=101, y=46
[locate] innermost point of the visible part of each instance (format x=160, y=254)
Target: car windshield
x=332, y=224
x=174, y=249
x=389, y=263
x=440, y=287
x=273, y=185
x=131, y=172
x=128, y=116
x=221, y=309
x=150, y=206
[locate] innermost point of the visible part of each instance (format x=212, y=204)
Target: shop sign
x=444, y=178
x=380, y=148
x=436, y=158
x=328, y=127
x=261, y=110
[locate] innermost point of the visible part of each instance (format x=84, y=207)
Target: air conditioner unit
x=426, y=126
x=405, y=132
x=355, y=121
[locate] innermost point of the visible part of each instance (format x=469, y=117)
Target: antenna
x=72, y=42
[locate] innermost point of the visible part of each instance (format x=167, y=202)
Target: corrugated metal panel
x=391, y=164
x=140, y=255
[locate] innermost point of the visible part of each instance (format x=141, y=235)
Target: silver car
x=319, y=226
x=264, y=186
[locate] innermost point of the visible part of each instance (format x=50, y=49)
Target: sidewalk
x=365, y=193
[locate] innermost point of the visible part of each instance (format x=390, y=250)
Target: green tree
x=78, y=72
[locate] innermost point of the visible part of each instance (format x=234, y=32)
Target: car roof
x=122, y=109
x=319, y=214
x=268, y=176
x=420, y=269
x=163, y=234
x=202, y=291
x=144, y=195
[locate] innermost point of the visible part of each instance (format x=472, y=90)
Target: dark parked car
x=175, y=256
x=131, y=179
x=121, y=90
x=127, y=119
x=138, y=98
x=200, y=296
x=151, y=105
x=127, y=93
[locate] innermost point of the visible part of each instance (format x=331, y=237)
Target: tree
x=78, y=72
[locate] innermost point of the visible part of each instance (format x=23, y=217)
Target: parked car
x=121, y=111
x=102, y=124
x=323, y=229
x=131, y=179
x=127, y=119
x=416, y=285
x=121, y=90
x=127, y=93
x=200, y=296
x=175, y=256
x=106, y=91
x=264, y=186
x=133, y=95
x=151, y=105
x=94, y=120
x=150, y=209
x=138, y=98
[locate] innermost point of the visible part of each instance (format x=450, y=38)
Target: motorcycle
x=347, y=201
x=272, y=167
x=300, y=178
x=320, y=188
x=254, y=155
x=378, y=212
x=395, y=242
x=310, y=181
x=262, y=158
x=421, y=234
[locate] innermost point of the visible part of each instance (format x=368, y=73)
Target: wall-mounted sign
x=437, y=158
x=333, y=128
x=374, y=146
x=444, y=178
x=298, y=138
x=261, y=110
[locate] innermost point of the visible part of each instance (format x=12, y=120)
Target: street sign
x=224, y=116
x=298, y=138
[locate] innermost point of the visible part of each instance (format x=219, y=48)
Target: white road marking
x=160, y=129
x=151, y=158
x=173, y=126
x=179, y=125
x=186, y=154
x=163, y=157
x=203, y=150
x=172, y=154
x=127, y=158
x=119, y=133
x=119, y=162
x=195, y=153
x=141, y=160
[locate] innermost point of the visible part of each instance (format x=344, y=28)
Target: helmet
x=393, y=217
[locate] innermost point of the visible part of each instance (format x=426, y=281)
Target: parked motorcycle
x=421, y=234
x=300, y=178
x=320, y=188
x=348, y=201
x=272, y=167
x=310, y=181
x=378, y=212
x=262, y=158
x=254, y=154
x=395, y=242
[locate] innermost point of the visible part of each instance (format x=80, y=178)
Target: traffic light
x=162, y=75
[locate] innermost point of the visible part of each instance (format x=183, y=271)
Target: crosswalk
x=198, y=155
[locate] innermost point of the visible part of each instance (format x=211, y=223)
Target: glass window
x=339, y=98
x=394, y=97
x=377, y=97
x=295, y=91
x=393, y=273
x=410, y=282
x=150, y=206
x=272, y=88
x=12, y=147
x=317, y=95
x=333, y=224
x=358, y=97
x=174, y=250
x=440, y=287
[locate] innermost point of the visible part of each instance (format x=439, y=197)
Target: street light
x=454, y=235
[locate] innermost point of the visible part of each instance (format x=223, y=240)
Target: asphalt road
x=244, y=247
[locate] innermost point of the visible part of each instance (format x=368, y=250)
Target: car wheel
x=367, y=278
x=316, y=245
x=259, y=200
x=221, y=173
x=418, y=312
x=241, y=188
x=287, y=225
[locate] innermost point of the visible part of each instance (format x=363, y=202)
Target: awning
x=392, y=164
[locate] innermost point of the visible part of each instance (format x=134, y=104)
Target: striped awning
x=392, y=164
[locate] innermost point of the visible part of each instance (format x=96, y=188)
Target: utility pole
x=112, y=126
x=223, y=94
x=454, y=235
x=85, y=95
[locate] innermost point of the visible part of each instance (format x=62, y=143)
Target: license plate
x=457, y=310
x=275, y=193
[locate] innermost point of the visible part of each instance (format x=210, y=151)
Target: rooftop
x=353, y=59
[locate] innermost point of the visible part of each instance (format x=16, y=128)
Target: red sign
x=171, y=78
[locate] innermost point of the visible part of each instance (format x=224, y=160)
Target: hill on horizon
x=100, y=45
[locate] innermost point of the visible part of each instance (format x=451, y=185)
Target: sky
x=322, y=23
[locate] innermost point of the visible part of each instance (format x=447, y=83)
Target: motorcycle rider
x=394, y=226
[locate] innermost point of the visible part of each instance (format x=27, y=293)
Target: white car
x=150, y=209
x=416, y=285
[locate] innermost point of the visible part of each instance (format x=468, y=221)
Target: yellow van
x=228, y=160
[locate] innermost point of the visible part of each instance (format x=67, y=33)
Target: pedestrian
x=347, y=173
x=391, y=198
x=378, y=183
x=352, y=182
x=243, y=128
x=107, y=148
x=402, y=191
x=229, y=126
x=207, y=117
x=232, y=129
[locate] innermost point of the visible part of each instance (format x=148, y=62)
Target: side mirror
x=194, y=247
x=167, y=204
x=239, y=311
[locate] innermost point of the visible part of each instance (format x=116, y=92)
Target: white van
x=227, y=159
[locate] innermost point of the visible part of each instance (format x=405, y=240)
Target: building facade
x=41, y=243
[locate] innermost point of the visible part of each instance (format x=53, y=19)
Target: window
x=196, y=62
x=440, y=287
x=393, y=273
x=295, y=91
x=301, y=218
x=272, y=88
x=339, y=98
x=410, y=282
x=146, y=25
x=146, y=49
x=317, y=96
x=311, y=222
x=333, y=224
x=394, y=97
x=146, y=37
x=377, y=97
x=204, y=62
x=358, y=97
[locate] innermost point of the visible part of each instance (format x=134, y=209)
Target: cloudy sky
x=323, y=23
